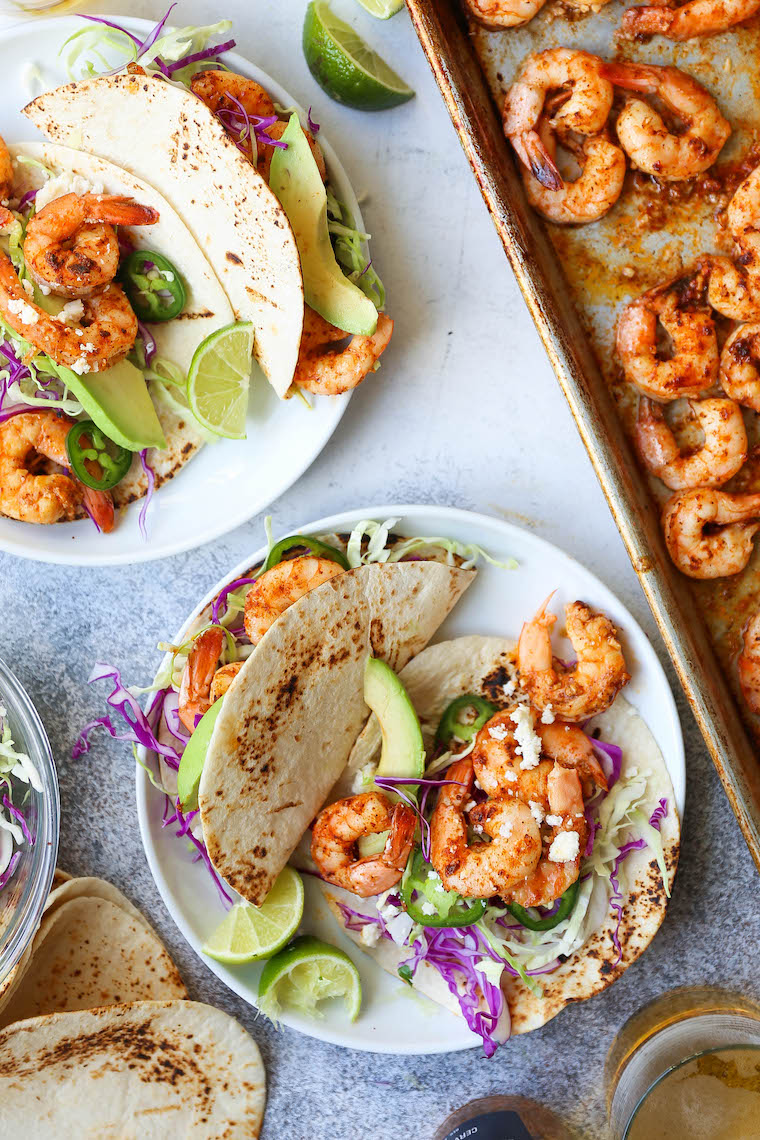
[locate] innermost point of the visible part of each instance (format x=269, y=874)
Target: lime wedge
x=250, y=933
x=345, y=67
x=217, y=383
x=383, y=9
x=306, y=973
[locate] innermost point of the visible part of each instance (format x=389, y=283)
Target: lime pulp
x=307, y=973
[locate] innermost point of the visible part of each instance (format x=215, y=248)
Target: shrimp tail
x=542, y=165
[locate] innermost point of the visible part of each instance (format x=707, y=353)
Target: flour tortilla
x=207, y=307
x=142, y=1071
x=89, y=952
x=483, y=665
x=165, y=135
x=292, y=714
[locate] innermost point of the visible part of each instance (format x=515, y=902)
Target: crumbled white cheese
x=167, y=274
x=477, y=785
x=554, y=820
x=510, y=776
x=432, y=874
x=65, y=183
x=23, y=310
x=428, y=908
x=80, y=366
x=565, y=847
x=499, y=732
x=44, y=289
x=478, y=829
x=370, y=934
x=509, y=688
x=469, y=805
x=506, y=829
x=547, y=716
x=28, y=288
x=72, y=311
x=528, y=744
x=400, y=928
x=536, y=811
x=87, y=347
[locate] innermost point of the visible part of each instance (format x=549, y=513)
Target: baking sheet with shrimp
x=656, y=231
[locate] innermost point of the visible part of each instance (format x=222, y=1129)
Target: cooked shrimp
x=713, y=463
x=748, y=664
x=570, y=747
x=584, y=111
x=733, y=521
x=46, y=498
x=339, y=827
x=71, y=247
x=740, y=366
x=6, y=171
x=198, y=675
x=692, y=366
x=278, y=588
x=234, y=99
x=107, y=330
x=642, y=131
x=483, y=869
x=592, y=194
x=581, y=690
x=266, y=152
x=496, y=761
x=330, y=371
x=495, y=14
x=687, y=21
x=556, y=871
x=223, y=678
x=734, y=286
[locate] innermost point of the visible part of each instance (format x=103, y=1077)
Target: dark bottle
x=503, y=1118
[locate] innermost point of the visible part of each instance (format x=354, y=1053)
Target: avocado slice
x=118, y=401
x=296, y=181
x=194, y=757
x=403, y=751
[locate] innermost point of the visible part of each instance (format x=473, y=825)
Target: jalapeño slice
x=90, y=452
x=153, y=285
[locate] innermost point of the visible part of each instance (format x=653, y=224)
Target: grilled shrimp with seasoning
x=204, y=681
x=481, y=870
x=70, y=246
x=329, y=371
x=678, y=307
x=734, y=285
x=231, y=98
x=687, y=21
x=495, y=14
x=713, y=463
x=44, y=498
x=581, y=690
x=282, y=585
x=559, y=868
x=108, y=327
x=584, y=111
x=740, y=366
x=642, y=131
x=338, y=829
x=748, y=664
x=6, y=171
x=589, y=196
x=723, y=550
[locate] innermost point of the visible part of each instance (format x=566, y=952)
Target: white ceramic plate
x=497, y=603
x=226, y=483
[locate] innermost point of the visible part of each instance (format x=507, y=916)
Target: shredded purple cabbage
x=242, y=126
x=20, y=819
x=9, y=870
x=149, y=344
x=212, y=53
x=612, y=760
x=313, y=127
x=141, y=724
x=142, y=46
x=148, y=494
x=184, y=831
x=27, y=199
x=221, y=598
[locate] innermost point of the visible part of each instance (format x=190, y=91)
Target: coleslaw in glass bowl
x=29, y=821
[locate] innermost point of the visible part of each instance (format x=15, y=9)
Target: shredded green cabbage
x=97, y=48
x=349, y=246
x=378, y=551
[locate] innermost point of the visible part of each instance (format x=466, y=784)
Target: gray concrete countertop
x=464, y=412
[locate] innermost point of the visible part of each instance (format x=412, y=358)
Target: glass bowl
x=23, y=898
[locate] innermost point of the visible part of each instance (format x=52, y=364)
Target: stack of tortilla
x=97, y=1037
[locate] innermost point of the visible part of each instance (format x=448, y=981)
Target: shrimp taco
x=252, y=184
x=529, y=859
x=99, y=331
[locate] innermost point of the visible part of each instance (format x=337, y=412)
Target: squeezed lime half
x=307, y=973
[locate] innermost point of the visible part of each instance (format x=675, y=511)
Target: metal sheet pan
x=574, y=313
